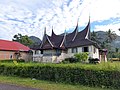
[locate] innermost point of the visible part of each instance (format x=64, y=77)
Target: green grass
x=44, y=85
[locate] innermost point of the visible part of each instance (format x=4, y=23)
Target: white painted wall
x=69, y=50
x=96, y=54
x=93, y=51
x=79, y=49
x=49, y=52
x=37, y=52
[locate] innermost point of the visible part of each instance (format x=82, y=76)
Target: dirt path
x=14, y=87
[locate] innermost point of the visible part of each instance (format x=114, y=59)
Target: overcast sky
x=30, y=17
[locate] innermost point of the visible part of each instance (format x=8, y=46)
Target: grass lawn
x=44, y=85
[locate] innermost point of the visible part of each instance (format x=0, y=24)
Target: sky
x=30, y=17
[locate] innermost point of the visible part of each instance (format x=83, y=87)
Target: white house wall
x=49, y=55
x=92, y=53
x=69, y=50
x=49, y=52
x=36, y=52
x=79, y=49
x=96, y=53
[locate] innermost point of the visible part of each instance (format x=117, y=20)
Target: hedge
x=93, y=60
x=11, y=60
x=70, y=60
x=65, y=74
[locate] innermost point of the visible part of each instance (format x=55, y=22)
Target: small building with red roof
x=13, y=50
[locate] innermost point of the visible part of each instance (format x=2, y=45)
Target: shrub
x=93, y=60
x=81, y=56
x=70, y=60
x=6, y=61
x=11, y=60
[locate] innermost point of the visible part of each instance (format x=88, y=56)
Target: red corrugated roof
x=13, y=46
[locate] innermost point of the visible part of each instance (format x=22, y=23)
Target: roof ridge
x=63, y=40
x=88, y=30
x=76, y=32
x=91, y=40
x=49, y=41
x=53, y=32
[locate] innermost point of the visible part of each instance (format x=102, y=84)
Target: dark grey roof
x=74, y=39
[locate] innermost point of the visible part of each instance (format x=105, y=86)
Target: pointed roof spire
x=49, y=41
x=64, y=39
x=88, y=30
x=44, y=38
x=44, y=30
x=53, y=32
x=65, y=32
x=89, y=21
x=76, y=31
x=52, y=28
x=77, y=21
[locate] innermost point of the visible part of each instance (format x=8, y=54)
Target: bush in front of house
x=82, y=57
x=89, y=75
x=93, y=60
x=78, y=57
x=70, y=60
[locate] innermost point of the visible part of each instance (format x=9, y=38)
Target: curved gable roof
x=56, y=40
x=72, y=36
x=85, y=33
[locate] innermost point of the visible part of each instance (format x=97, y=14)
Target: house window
x=85, y=49
x=41, y=51
x=74, y=50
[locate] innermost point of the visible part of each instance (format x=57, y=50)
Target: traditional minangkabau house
x=56, y=48
x=13, y=50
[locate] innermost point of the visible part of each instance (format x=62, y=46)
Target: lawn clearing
x=44, y=85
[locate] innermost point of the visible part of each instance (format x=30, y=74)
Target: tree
x=103, y=45
x=111, y=35
x=22, y=39
x=116, y=50
x=94, y=37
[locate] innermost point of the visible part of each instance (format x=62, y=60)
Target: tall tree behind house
x=23, y=39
